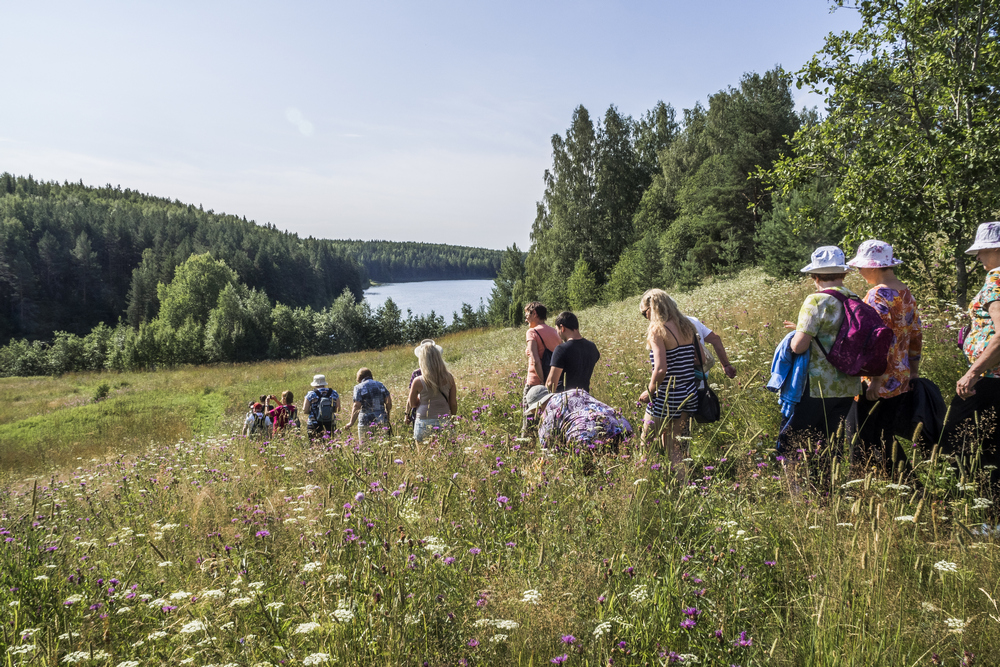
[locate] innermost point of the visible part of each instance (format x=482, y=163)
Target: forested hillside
x=404, y=261
x=72, y=256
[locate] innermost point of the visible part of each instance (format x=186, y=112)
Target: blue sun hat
x=987, y=236
x=827, y=259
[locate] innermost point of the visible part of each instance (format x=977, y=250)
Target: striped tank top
x=678, y=390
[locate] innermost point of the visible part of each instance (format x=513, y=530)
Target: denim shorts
x=425, y=428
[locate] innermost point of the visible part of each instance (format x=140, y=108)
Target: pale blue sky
x=422, y=121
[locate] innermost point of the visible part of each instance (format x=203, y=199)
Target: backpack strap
x=842, y=298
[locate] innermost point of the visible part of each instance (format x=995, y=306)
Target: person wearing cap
x=978, y=391
x=372, y=403
x=829, y=394
x=887, y=396
x=575, y=419
x=316, y=425
x=257, y=422
x=433, y=392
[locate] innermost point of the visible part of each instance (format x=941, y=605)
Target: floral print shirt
x=982, y=329
x=576, y=417
x=820, y=317
x=898, y=310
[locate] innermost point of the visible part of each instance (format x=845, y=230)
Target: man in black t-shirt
x=572, y=362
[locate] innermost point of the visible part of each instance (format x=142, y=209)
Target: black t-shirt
x=576, y=358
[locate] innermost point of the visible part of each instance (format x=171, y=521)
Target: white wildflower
x=128, y=663
x=306, y=628
x=123, y=610
x=22, y=649
x=845, y=525
x=28, y=633
x=192, y=627
x=290, y=520
x=639, y=481
x=337, y=578
x=170, y=526
x=316, y=659
x=342, y=615
x=853, y=482
x=239, y=603
x=897, y=487
x=214, y=594
x=227, y=626
x=928, y=607
x=955, y=625
x=153, y=636
x=531, y=596
x=945, y=566
x=274, y=606
x=14, y=603
x=968, y=486
x=497, y=638
x=255, y=585
x=413, y=619
x=981, y=503
x=905, y=518
x=506, y=625
x=166, y=563
x=75, y=656
x=639, y=594
x=180, y=595
x=688, y=658
x=602, y=629
x=42, y=577
x=312, y=567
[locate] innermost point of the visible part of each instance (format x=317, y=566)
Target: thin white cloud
x=296, y=118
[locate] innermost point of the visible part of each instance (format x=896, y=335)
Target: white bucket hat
x=319, y=381
x=874, y=255
x=987, y=236
x=536, y=397
x=827, y=259
x=426, y=341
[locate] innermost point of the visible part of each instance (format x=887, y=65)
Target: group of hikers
x=849, y=365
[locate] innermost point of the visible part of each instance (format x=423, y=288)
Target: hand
x=729, y=370
x=644, y=397
x=872, y=392
x=964, y=387
x=789, y=325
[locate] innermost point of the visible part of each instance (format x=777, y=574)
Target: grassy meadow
x=140, y=530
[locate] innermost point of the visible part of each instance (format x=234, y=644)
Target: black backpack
x=325, y=412
x=259, y=423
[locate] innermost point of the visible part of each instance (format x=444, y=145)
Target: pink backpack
x=862, y=344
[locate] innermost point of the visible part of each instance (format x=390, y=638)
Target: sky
x=408, y=121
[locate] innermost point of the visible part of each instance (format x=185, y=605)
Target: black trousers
x=876, y=426
x=815, y=419
x=961, y=432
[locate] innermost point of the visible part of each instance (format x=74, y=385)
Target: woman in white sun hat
x=888, y=395
x=321, y=405
x=978, y=391
x=829, y=394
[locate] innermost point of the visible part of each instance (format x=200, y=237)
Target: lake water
x=444, y=297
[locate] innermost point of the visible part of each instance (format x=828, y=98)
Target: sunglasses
x=645, y=313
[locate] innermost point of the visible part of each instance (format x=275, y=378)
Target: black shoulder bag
x=709, y=410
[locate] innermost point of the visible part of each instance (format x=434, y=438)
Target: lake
x=444, y=297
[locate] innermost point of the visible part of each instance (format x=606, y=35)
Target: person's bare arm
x=531, y=351
x=800, y=342
x=659, y=369
x=354, y=413
x=413, y=400
x=988, y=359
x=553, y=380
x=388, y=403
x=453, y=398
x=715, y=341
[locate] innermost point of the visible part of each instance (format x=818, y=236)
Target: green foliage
x=581, y=288
x=638, y=269
x=195, y=290
x=504, y=309
x=912, y=136
x=239, y=327
x=802, y=220
x=405, y=261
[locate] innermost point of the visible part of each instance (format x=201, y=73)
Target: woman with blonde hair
x=433, y=392
x=671, y=396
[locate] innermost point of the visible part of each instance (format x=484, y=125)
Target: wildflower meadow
x=200, y=547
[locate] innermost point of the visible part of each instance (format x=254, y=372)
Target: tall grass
x=479, y=547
